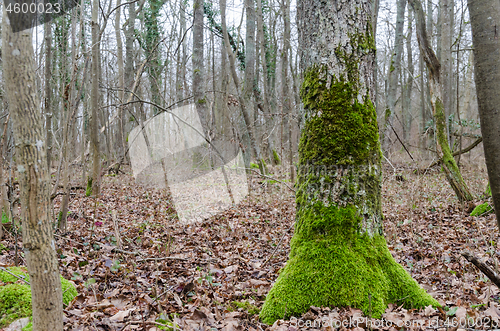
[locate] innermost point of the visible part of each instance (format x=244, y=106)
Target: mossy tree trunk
x=450, y=168
x=485, y=19
x=338, y=255
x=34, y=178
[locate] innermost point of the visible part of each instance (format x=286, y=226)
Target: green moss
x=251, y=309
x=15, y=297
x=253, y=165
x=450, y=167
x=5, y=218
x=276, y=157
x=333, y=264
x=339, y=129
x=88, y=191
x=3, y=248
x=28, y=327
x=482, y=209
x=338, y=254
x=392, y=67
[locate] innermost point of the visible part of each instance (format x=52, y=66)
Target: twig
x=278, y=245
x=163, y=258
x=406, y=149
x=463, y=151
x=117, y=230
x=271, y=178
x=483, y=267
x=19, y=277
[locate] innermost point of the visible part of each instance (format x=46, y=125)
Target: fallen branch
x=483, y=267
x=271, y=178
x=7, y=271
x=162, y=259
x=463, y=151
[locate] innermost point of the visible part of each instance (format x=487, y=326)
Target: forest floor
x=215, y=274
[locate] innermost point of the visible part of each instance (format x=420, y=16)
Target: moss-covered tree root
x=340, y=268
x=15, y=296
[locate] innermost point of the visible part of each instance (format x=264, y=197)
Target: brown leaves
x=168, y=273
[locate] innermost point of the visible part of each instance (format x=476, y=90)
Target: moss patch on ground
x=482, y=209
x=332, y=264
x=15, y=295
x=250, y=308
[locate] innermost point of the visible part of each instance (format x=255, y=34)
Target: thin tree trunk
x=249, y=85
x=450, y=168
x=121, y=136
x=68, y=96
x=268, y=118
x=285, y=87
x=232, y=68
x=34, y=178
x=394, y=71
x=94, y=138
x=446, y=61
x=200, y=98
x=408, y=118
x=48, y=91
x=4, y=201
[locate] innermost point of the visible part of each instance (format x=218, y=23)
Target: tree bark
x=268, y=117
x=34, y=178
x=241, y=101
x=407, y=100
x=338, y=254
x=48, y=90
x=4, y=201
x=485, y=20
x=249, y=85
x=446, y=61
x=200, y=99
x=120, y=134
x=94, y=138
x=285, y=87
x=450, y=168
x=394, y=70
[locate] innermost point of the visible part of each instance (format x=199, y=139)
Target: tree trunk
x=285, y=87
x=120, y=134
x=450, y=168
x=268, y=117
x=241, y=101
x=394, y=70
x=249, y=85
x=446, y=61
x=485, y=20
x=34, y=179
x=4, y=201
x=48, y=91
x=338, y=254
x=407, y=101
x=200, y=98
x=94, y=138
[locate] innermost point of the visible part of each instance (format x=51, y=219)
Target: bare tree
x=94, y=137
x=450, y=168
x=34, y=178
x=393, y=75
x=246, y=116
